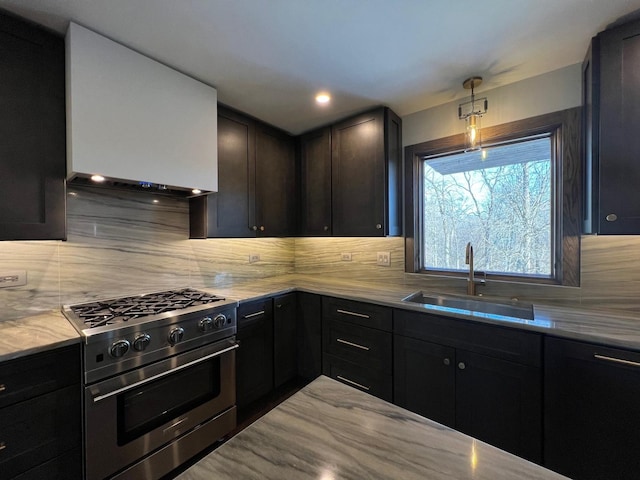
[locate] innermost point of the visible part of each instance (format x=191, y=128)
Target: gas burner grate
x=119, y=310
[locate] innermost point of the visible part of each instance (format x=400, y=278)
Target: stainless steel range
x=159, y=373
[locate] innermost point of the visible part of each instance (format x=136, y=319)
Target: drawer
x=38, y=430
x=254, y=312
x=34, y=375
x=366, y=379
x=362, y=345
x=495, y=341
x=358, y=313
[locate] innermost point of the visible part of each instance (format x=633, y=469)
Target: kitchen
x=137, y=246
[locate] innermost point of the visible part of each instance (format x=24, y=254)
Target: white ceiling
x=268, y=58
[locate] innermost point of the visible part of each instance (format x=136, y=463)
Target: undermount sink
x=473, y=306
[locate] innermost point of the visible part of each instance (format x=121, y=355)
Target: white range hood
x=134, y=120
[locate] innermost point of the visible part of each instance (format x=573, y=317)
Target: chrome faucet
x=471, y=281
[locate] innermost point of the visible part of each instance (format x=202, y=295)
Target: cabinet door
x=591, y=411
x=32, y=128
x=500, y=402
x=254, y=360
x=358, y=176
x=309, y=336
x=275, y=183
x=424, y=379
x=619, y=122
x=229, y=212
x=315, y=183
x=285, y=351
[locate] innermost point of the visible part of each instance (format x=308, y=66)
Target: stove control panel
x=137, y=345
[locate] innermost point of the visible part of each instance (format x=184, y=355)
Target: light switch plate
x=254, y=257
x=384, y=259
x=16, y=278
x=345, y=257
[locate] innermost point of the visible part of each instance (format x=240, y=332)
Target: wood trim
x=566, y=125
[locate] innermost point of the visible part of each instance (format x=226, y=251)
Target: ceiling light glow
x=323, y=98
x=196, y=191
x=97, y=178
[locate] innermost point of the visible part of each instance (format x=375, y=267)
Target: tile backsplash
x=122, y=242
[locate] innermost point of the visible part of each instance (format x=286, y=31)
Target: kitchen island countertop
x=328, y=431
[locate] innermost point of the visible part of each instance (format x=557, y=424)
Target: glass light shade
x=473, y=134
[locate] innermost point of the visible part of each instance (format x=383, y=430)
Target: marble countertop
x=50, y=330
x=614, y=329
x=35, y=334
x=329, y=431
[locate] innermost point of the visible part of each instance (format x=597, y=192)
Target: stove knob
x=141, y=342
x=205, y=324
x=219, y=320
x=119, y=348
x=176, y=335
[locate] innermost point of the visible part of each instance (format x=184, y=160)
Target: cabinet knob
x=462, y=366
x=262, y=228
x=326, y=228
x=612, y=217
x=3, y=445
x=2, y=388
x=447, y=362
x=254, y=228
x=378, y=226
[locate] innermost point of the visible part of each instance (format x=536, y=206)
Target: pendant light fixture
x=471, y=112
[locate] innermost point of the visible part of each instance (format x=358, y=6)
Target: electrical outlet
x=15, y=278
x=254, y=257
x=345, y=257
x=384, y=259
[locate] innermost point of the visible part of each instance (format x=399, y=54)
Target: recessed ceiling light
x=97, y=178
x=196, y=191
x=323, y=98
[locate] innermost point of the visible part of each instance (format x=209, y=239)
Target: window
x=516, y=202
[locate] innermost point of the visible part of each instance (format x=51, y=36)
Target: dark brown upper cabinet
x=611, y=101
x=32, y=128
x=256, y=183
x=314, y=151
x=366, y=175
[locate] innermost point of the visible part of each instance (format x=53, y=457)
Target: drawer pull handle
x=353, y=314
x=251, y=315
x=2, y=446
x=616, y=360
x=2, y=388
x=355, y=384
x=351, y=344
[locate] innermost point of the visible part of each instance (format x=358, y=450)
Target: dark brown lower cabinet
x=591, y=411
x=285, y=347
x=254, y=358
x=40, y=422
x=476, y=389
x=357, y=345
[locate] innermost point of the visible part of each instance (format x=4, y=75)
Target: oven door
x=135, y=413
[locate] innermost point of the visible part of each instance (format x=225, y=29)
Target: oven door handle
x=98, y=398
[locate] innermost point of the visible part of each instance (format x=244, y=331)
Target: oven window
x=145, y=408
